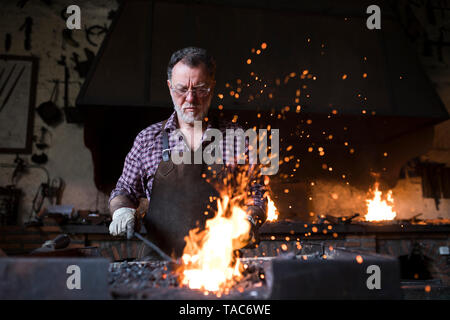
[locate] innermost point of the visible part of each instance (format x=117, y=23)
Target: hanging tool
x=82, y=67
x=28, y=24
x=49, y=111
x=62, y=62
x=95, y=30
x=73, y=114
x=19, y=168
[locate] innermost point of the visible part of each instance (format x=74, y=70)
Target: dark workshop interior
x=364, y=144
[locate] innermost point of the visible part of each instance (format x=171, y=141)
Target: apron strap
x=165, y=143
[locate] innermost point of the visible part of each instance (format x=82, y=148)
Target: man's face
x=189, y=90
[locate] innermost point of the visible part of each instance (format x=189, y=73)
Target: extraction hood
x=353, y=85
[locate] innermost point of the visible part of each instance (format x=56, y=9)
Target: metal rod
x=154, y=247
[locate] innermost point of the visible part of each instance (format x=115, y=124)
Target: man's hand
x=255, y=216
x=246, y=238
x=123, y=222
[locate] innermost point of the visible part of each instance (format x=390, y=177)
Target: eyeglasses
x=199, y=92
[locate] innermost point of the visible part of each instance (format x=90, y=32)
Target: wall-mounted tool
x=41, y=145
x=68, y=38
x=19, y=169
x=72, y=114
x=82, y=67
x=27, y=26
x=49, y=111
x=95, y=30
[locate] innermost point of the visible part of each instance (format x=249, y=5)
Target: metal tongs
x=154, y=247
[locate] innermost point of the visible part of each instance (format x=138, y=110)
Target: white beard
x=190, y=117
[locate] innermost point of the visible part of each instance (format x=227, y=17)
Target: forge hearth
x=296, y=258
x=157, y=280
x=421, y=247
x=310, y=273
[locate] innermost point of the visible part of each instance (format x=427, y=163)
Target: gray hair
x=192, y=57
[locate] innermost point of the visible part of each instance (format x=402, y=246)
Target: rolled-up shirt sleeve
x=130, y=181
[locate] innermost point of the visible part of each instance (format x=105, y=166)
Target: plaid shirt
x=144, y=157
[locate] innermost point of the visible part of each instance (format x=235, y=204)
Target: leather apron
x=179, y=202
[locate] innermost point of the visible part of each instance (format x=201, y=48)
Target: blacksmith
x=179, y=196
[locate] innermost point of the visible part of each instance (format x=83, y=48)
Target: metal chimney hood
x=365, y=86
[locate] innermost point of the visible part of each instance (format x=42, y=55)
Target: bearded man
x=179, y=196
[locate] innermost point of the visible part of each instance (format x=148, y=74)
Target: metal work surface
x=157, y=280
x=53, y=278
x=314, y=274
x=341, y=275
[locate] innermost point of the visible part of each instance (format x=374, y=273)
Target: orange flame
x=209, y=263
x=272, y=212
x=378, y=209
x=208, y=256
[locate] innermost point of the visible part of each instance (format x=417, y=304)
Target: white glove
x=122, y=222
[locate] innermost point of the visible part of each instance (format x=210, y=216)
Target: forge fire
x=378, y=209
